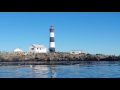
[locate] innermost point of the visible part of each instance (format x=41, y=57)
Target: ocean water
x=85, y=69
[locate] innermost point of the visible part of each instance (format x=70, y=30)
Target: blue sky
x=93, y=32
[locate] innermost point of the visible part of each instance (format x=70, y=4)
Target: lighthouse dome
x=51, y=27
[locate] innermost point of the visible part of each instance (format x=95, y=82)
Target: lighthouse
x=52, y=41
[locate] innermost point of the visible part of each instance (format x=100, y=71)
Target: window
x=73, y=52
x=32, y=48
x=40, y=48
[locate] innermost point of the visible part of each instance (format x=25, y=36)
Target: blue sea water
x=85, y=69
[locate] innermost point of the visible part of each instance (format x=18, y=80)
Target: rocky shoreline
x=55, y=56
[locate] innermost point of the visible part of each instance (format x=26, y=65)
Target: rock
x=11, y=56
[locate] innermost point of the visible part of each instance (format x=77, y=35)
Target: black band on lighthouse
x=51, y=39
x=52, y=49
x=51, y=30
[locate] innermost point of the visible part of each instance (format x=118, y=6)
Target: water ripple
x=90, y=69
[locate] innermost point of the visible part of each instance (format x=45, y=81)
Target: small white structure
x=18, y=50
x=37, y=48
x=77, y=52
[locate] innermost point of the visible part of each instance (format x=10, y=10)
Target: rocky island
x=42, y=58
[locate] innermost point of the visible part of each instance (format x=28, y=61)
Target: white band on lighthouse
x=52, y=44
x=51, y=34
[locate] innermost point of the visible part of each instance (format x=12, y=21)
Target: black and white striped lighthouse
x=52, y=41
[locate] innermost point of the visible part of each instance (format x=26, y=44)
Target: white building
x=18, y=50
x=77, y=52
x=37, y=48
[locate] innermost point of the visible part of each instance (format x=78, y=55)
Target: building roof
x=17, y=49
x=38, y=46
x=78, y=51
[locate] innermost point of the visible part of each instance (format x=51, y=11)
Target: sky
x=92, y=32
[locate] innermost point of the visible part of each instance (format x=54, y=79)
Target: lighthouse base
x=52, y=49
